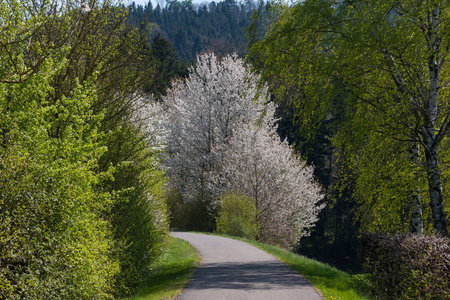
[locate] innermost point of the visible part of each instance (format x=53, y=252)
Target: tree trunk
x=415, y=201
x=435, y=190
x=430, y=140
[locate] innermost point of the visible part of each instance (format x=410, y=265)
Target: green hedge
x=54, y=242
x=82, y=214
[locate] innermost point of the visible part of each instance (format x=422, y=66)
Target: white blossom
x=222, y=137
x=202, y=112
x=148, y=116
x=85, y=8
x=261, y=166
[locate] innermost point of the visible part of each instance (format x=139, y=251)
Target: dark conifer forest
x=192, y=28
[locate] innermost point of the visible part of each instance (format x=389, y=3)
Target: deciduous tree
x=80, y=189
x=388, y=60
x=202, y=112
x=264, y=168
x=222, y=139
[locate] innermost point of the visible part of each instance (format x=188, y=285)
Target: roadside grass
x=330, y=282
x=171, y=273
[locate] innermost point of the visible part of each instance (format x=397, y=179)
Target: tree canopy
x=384, y=63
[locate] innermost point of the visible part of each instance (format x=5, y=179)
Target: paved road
x=235, y=270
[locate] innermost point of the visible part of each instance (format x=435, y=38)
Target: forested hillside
x=192, y=28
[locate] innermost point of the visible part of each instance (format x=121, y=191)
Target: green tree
x=387, y=59
x=25, y=42
x=104, y=44
x=54, y=241
x=168, y=66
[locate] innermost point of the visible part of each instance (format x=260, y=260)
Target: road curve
x=235, y=270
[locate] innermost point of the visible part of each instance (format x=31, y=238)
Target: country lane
x=235, y=270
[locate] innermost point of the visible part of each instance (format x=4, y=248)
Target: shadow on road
x=253, y=275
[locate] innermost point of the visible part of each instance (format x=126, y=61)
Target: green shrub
x=139, y=221
x=81, y=212
x=54, y=242
x=237, y=216
x=407, y=266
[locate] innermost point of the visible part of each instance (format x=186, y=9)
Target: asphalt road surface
x=235, y=270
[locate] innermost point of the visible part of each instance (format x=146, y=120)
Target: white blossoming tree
x=202, y=112
x=222, y=139
x=264, y=168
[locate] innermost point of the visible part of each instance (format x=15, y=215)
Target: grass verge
x=171, y=273
x=330, y=282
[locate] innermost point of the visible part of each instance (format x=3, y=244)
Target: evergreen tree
x=167, y=66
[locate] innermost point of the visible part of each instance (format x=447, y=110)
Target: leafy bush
x=118, y=56
x=237, y=216
x=139, y=218
x=407, y=266
x=54, y=243
x=81, y=211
